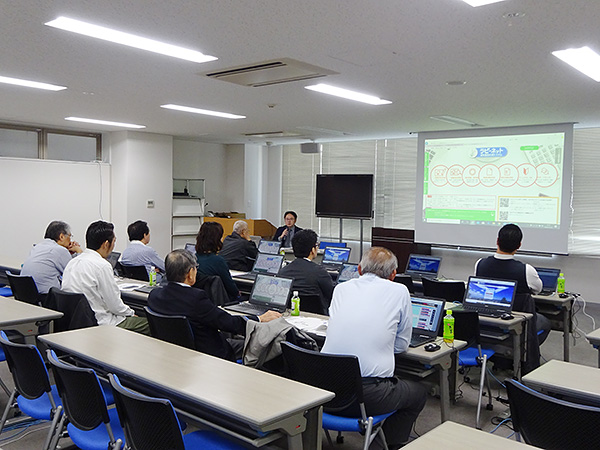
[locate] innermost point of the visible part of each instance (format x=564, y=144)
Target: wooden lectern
x=257, y=227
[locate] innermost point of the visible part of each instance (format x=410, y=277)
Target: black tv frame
x=356, y=187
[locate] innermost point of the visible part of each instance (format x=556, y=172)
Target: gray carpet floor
x=463, y=411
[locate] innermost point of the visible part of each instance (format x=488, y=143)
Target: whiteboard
x=36, y=192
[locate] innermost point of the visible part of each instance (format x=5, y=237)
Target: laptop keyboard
x=248, y=308
x=483, y=310
x=420, y=339
x=247, y=276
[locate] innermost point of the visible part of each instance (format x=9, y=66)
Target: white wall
x=234, y=166
x=207, y=161
x=37, y=192
x=141, y=171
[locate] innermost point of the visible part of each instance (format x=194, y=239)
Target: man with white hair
x=371, y=317
x=238, y=250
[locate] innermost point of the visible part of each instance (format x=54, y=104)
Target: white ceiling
x=400, y=50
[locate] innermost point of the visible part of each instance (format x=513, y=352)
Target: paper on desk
x=309, y=324
x=129, y=286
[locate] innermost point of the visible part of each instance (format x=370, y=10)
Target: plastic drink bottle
x=295, y=304
x=152, y=276
x=560, y=285
x=448, y=327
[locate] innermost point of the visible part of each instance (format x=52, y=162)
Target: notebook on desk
x=268, y=292
x=427, y=315
x=265, y=264
x=270, y=247
x=419, y=266
x=334, y=257
x=489, y=296
x=549, y=279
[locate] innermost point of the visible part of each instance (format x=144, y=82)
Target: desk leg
x=444, y=394
x=566, y=333
x=312, y=437
x=517, y=346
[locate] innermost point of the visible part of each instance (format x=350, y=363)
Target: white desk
x=551, y=306
x=594, y=339
x=453, y=436
x=262, y=401
x=14, y=312
x=581, y=383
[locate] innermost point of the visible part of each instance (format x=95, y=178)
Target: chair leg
x=328, y=436
x=481, y=382
x=381, y=435
x=57, y=415
x=5, y=387
x=9, y=405
x=369, y=430
x=59, y=430
x=489, y=407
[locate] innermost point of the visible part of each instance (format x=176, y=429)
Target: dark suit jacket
x=280, y=230
x=238, y=253
x=309, y=279
x=205, y=318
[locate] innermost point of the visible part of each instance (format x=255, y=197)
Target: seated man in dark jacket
x=178, y=297
x=309, y=278
x=238, y=250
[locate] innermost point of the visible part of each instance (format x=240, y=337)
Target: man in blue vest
x=504, y=265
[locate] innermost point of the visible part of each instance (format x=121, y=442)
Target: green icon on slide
x=530, y=147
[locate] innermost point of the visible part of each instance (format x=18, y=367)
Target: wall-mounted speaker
x=309, y=147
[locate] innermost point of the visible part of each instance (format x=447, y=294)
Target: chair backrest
x=81, y=394
x=149, y=423
x=173, y=329
x=336, y=373
x=550, y=423
x=451, y=291
x=214, y=288
x=76, y=310
x=23, y=288
x=407, y=281
x=466, y=327
x=312, y=304
x=135, y=272
x=27, y=368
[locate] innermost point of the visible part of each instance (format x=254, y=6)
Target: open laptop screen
x=271, y=247
x=191, y=248
x=336, y=254
x=426, y=314
x=423, y=265
x=266, y=263
x=497, y=294
x=113, y=258
x=348, y=272
x=549, y=278
x=271, y=291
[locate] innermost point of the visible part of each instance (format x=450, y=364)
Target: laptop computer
x=334, y=257
x=419, y=266
x=190, y=247
x=270, y=247
x=489, y=296
x=549, y=279
x=268, y=292
x=427, y=315
x=348, y=272
x=266, y=264
x=324, y=244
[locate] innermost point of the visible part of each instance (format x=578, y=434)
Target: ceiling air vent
x=266, y=73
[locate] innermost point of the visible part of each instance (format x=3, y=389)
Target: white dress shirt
x=533, y=279
x=92, y=275
x=370, y=317
x=46, y=264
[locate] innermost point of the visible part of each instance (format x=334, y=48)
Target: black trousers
x=389, y=394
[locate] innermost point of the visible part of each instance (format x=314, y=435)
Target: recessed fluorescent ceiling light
x=454, y=120
x=131, y=40
x=206, y=112
x=481, y=2
x=345, y=93
x=584, y=59
x=31, y=84
x=105, y=122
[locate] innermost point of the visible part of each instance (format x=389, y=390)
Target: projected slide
x=494, y=180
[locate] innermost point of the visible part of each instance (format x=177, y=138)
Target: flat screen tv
x=345, y=196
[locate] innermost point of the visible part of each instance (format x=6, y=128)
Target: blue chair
x=547, y=422
x=151, y=424
x=339, y=374
x=90, y=424
x=23, y=288
x=466, y=328
x=2, y=384
x=33, y=392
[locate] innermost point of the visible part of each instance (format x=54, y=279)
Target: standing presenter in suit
x=286, y=232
